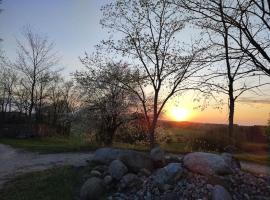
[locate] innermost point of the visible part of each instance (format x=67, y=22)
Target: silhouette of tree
x=148, y=34
x=35, y=59
x=231, y=71
x=109, y=104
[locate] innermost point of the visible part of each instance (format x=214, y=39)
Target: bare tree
x=231, y=72
x=148, y=34
x=35, y=58
x=8, y=81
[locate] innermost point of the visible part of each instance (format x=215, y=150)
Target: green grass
x=51, y=144
x=52, y=184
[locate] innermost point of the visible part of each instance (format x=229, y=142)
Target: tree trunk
x=231, y=112
x=152, y=132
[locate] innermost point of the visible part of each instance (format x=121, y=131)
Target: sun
x=179, y=114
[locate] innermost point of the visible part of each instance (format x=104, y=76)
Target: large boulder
x=220, y=193
x=168, y=174
x=158, y=157
x=92, y=189
x=130, y=181
x=231, y=161
x=106, y=155
x=135, y=161
x=206, y=164
x=117, y=169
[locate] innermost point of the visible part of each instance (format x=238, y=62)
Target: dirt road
x=14, y=162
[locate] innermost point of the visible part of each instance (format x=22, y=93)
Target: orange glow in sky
x=182, y=108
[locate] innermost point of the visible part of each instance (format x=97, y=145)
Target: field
x=173, y=137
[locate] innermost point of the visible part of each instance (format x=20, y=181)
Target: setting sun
x=179, y=114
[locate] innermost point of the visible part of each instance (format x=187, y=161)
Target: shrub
x=132, y=132
x=215, y=140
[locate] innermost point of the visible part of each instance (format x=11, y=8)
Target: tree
x=35, y=58
x=229, y=63
x=8, y=81
x=267, y=131
x=148, y=34
x=252, y=20
x=109, y=104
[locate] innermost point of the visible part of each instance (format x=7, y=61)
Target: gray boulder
x=231, y=161
x=92, y=189
x=95, y=173
x=158, y=157
x=168, y=174
x=106, y=155
x=107, y=179
x=135, y=161
x=117, y=169
x=132, y=159
x=220, y=193
x=130, y=181
x=206, y=164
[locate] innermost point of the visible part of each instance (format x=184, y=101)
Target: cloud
x=255, y=101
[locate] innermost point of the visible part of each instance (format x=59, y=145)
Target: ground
x=15, y=162
x=62, y=159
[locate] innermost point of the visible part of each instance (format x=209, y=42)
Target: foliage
x=108, y=104
x=133, y=132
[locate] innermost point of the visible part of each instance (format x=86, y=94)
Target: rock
x=168, y=174
x=101, y=168
x=220, y=193
x=92, y=189
x=231, y=160
x=169, y=158
x=132, y=159
x=117, y=169
x=130, y=181
x=95, y=173
x=135, y=161
x=106, y=155
x=230, y=149
x=206, y=164
x=158, y=157
x=209, y=186
x=145, y=172
x=224, y=181
x=107, y=179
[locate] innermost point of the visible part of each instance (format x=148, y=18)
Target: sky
x=73, y=25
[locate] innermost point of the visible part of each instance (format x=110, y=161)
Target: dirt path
x=14, y=162
x=255, y=168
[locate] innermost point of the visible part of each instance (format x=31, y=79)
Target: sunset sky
x=74, y=27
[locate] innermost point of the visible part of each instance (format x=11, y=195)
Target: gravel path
x=14, y=162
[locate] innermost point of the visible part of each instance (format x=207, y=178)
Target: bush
x=216, y=140
x=132, y=132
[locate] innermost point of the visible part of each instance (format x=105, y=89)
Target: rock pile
x=132, y=175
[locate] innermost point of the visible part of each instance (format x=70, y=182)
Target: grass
x=52, y=184
x=74, y=144
x=51, y=144
x=259, y=159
